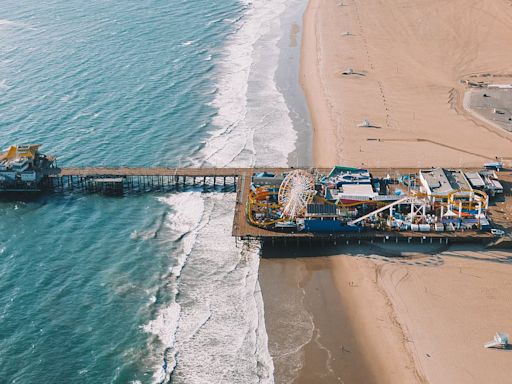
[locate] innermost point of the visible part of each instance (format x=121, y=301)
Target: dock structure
x=125, y=181
x=326, y=205
x=138, y=179
x=166, y=178
x=243, y=230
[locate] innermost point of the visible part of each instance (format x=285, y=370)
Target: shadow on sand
x=427, y=255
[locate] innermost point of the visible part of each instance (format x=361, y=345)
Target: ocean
x=150, y=288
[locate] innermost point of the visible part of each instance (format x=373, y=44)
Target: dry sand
x=356, y=314
x=410, y=57
x=359, y=314
x=448, y=311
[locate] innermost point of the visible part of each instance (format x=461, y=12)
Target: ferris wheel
x=296, y=192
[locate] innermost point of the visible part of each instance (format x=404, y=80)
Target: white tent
x=500, y=341
x=365, y=124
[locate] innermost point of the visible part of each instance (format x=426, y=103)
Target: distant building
x=22, y=167
x=440, y=182
x=492, y=186
x=348, y=185
x=475, y=180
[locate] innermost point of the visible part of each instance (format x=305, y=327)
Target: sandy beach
x=387, y=313
x=449, y=310
x=395, y=313
x=319, y=331
x=408, y=59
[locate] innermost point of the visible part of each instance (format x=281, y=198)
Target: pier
x=244, y=231
x=121, y=181
x=124, y=181
x=164, y=178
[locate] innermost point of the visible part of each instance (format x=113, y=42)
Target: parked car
x=497, y=232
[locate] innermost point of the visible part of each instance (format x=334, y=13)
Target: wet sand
x=387, y=313
x=327, y=321
x=310, y=335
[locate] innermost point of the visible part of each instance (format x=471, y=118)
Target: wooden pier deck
x=143, y=179
x=153, y=171
x=196, y=171
x=95, y=179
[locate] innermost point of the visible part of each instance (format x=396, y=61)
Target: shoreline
x=361, y=311
x=348, y=328
x=335, y=349
x=310, y=338
x=287, y=80
x=386, y=313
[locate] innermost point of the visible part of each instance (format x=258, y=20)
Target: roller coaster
x=286, y=206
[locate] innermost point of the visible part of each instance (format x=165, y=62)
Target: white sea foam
x=186, y=219
x=143, y=235
x=214, y=331
x=183, y=224
x=187, y=43
x=164, y=327
x=10, y=23
x=221, y=337
x=254, y=126
x=3, y=85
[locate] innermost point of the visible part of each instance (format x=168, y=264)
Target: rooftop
x=440, y=181
x=475, y=179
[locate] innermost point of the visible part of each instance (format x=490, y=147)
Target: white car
x=497, y=232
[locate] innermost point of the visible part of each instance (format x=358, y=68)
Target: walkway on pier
x=154, y=171
x=229, y=179
x=124, y=179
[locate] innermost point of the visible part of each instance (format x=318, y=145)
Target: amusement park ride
x=350, y=199
x=295, y=193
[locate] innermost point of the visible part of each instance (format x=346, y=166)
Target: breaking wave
x=253, y=122
x=212, y=330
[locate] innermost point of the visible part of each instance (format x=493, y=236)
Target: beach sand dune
x=409, y=58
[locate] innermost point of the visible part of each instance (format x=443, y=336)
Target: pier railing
x=120, y=180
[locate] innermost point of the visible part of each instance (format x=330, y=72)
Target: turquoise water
x=153, y=288
x=111, y=82
x=75, y=289
x=101, y=83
